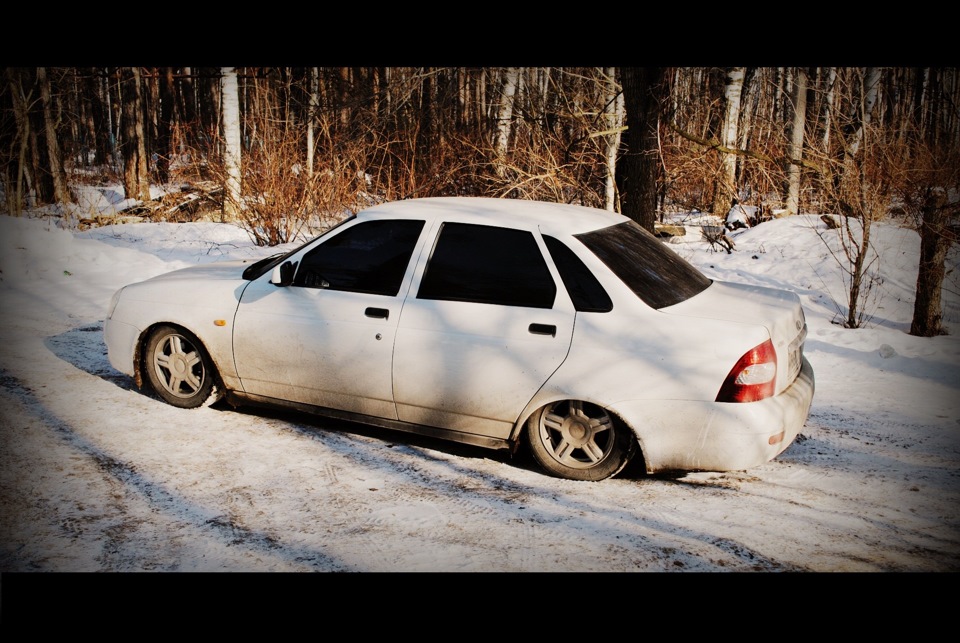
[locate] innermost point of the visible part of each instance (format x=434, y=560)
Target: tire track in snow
x=158, y=496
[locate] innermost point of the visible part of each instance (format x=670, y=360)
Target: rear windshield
x=654, y=272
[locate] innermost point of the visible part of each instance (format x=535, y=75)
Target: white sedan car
x=494, y=322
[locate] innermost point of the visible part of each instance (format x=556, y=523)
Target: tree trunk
x=230, y=104
x=112, y=132
x=136, y=175
x=795, y=152
x=505, y=117
x=936, y=209
x=165, y=124
x=828, y=100
x=98, y=128
x=854, y=183
x=61, y=193
x=644, y=91
x=18, y=186
x=871, y=83
x=313, y=104
x=613, y=109
x=727, y=190
x=934, y=244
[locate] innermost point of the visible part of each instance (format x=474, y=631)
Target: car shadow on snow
x=84, y=348
x=318, y=426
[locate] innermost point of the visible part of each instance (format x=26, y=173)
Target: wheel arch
x=140, y=357
x=540, y=401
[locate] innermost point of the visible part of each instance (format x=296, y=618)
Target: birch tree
x=511, y=77
x=795, y=152
x=230, y=106
x=314, y=103
x=830, y=78
x=729, y=138
x=613, y=109
x=165, y=123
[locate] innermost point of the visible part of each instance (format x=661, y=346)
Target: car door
x=327, y=338
x=485, y=328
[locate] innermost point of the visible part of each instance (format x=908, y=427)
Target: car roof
x=551, y=218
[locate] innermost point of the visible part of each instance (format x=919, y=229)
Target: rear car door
x=487, y=324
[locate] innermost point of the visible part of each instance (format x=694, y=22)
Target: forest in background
x=278, y=147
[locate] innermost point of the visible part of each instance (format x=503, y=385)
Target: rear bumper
x=713, y=436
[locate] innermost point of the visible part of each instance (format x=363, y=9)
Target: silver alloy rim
x=577, y=439
x=178, y=366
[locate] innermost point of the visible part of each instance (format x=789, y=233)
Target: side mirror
x=283, y=274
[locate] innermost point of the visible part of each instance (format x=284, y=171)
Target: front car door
x=327, y=338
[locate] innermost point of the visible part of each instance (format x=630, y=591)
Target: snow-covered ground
x=96, y=475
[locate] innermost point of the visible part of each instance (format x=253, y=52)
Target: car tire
x=577, y=440
x=179, y=369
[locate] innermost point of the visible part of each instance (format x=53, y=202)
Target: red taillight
x=754, y=376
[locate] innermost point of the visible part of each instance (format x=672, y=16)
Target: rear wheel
x=178, y=368
x=579, y=441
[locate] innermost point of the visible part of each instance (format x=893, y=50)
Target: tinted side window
x=656, y=274
x=585, y=291
x=370, y=257
x=489, y=265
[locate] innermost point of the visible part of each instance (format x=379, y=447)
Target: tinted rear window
x=488, y=265
x=656, y=274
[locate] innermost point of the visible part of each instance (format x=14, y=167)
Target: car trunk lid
x=779, y=311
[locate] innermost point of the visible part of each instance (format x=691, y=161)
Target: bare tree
x=314, y=104
x=165, y=123
x=18, y=172
x=795, y=152
x=61, y=193
x=644, y=93
x=729, y=138
x=929, y=191
x=230, y=106
x=613, y=109
x=136, y=173
x=511, y=78
x=829, y=80
x=859, y=184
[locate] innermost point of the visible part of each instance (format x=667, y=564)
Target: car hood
x=779, y=311
x=219, y=270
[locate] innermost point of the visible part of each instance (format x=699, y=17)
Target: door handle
x=377, y=312
x=543, y=329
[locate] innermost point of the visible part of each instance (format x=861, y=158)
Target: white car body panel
x=195, y=298
x=672, y=358
x=779, y=309
x=317, y=347
x=681, y=435
x=473, y=367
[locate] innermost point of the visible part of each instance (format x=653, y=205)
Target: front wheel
x=178, y=368
x=579, y=441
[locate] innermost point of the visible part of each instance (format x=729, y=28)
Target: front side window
x=490, y=265
x=370, y=257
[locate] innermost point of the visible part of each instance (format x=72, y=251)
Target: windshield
x=654, y=272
